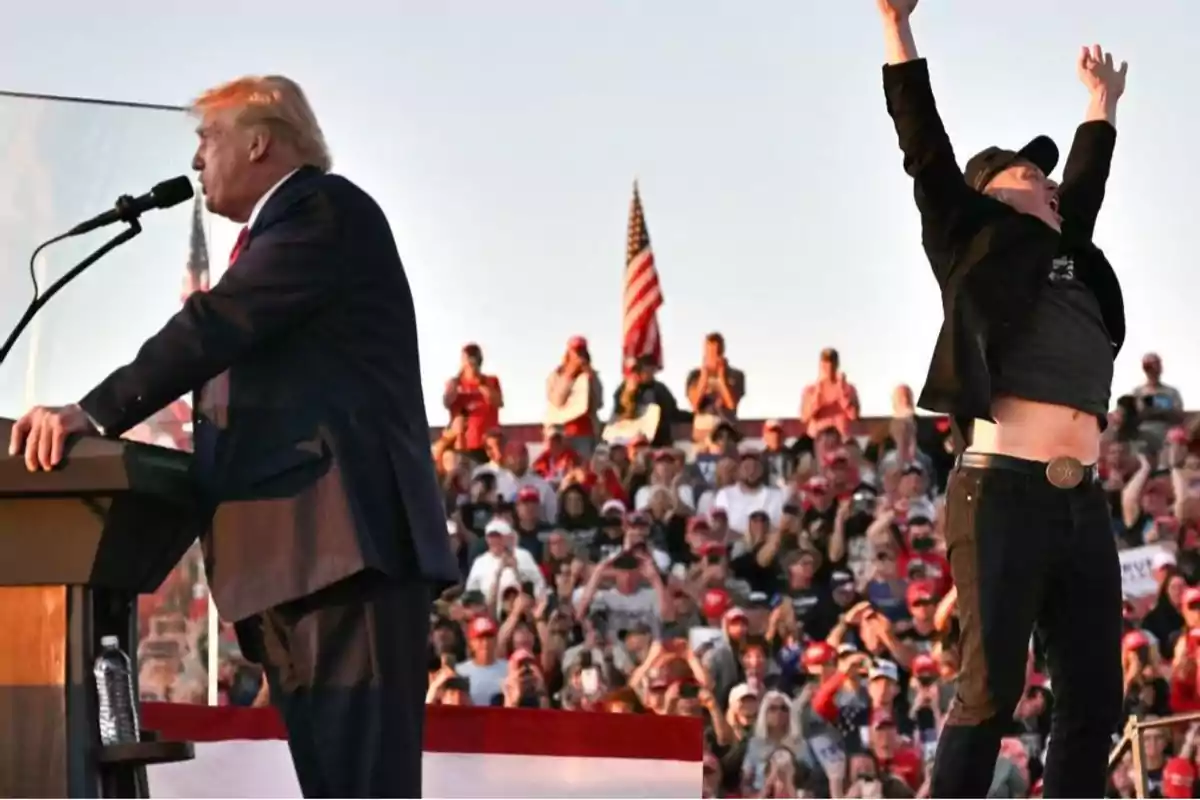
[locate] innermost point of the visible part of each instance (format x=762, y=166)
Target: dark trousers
x=347, y=670
x=1023, y=554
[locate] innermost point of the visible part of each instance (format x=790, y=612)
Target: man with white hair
x=311, y=442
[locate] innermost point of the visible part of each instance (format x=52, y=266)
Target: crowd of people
x=787, y=583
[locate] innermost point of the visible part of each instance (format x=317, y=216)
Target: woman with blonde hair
x=777, y=726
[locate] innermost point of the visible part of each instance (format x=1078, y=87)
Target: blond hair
x=277, y=103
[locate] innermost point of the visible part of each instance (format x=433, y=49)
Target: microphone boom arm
x=40, y=300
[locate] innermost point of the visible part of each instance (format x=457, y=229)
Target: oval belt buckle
x=1064, y=472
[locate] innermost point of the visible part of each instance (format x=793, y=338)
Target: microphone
x=164, y=195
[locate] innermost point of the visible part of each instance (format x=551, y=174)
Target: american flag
x=643, y=293
x=197, y=266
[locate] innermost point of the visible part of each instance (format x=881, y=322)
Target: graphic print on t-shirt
x=1062, y=269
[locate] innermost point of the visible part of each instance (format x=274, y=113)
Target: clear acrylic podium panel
x=64, y=161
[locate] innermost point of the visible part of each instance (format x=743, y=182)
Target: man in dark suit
x=328, y=534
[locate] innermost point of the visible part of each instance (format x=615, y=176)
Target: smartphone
x=589, y=679
x=527, y=588
x=689, y=691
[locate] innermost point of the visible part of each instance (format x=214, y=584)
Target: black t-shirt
x=609, y=539
x=922, y=642
x=815, y=611
x=761, y=579
x=532, y=540
x=1063, y=352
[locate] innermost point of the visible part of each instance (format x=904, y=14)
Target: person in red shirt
x=919, y=559
x=476, y=399
x=1185, y=678
x=831, y=402
x=557, y=459
x=895, y=755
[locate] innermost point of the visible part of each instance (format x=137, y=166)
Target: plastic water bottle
x=114, y=690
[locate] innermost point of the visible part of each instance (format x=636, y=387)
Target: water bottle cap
x=110, y=641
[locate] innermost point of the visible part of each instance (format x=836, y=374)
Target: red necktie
x=242, y=237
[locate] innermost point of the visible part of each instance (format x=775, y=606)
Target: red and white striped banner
x=469, y=752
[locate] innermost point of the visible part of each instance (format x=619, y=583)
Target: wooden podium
x=77, y=546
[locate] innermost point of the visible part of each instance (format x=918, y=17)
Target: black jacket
x=990, y=260
x=321, y=465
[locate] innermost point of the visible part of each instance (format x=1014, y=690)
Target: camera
x=863, y=502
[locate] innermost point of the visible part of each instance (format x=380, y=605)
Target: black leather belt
x=1063, y=472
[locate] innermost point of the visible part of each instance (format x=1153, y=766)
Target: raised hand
x=896, y=9
x=1097, y=71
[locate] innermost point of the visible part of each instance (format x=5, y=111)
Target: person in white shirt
x=502, y=553
x=637, y=595
x=751, y=493
x=666, y=472
x=506, y=482
x=516, y=459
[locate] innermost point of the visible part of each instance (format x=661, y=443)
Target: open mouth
x=1054, y=205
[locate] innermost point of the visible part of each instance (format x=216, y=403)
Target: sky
x=503, y=139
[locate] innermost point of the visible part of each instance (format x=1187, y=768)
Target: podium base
x=142, y=754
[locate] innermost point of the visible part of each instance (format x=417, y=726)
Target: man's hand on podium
x=42, y=434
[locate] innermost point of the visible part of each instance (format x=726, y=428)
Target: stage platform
x=469, y=752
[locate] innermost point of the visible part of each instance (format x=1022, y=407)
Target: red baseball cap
x=1178, y=778
x=481, y=627
x=528, y=494
x=1133, y=640
x=735, y=613
x=920, y=592
x=881, y=717
x=818, y=654
x=924, y=664
x=715, y=603
x=1191, y=595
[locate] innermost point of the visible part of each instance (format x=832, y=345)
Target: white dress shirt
x=262, y=201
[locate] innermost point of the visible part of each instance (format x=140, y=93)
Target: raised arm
x=1086, y=172
x=941, y=193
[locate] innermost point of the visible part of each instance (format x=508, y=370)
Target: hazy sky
x=502, y=138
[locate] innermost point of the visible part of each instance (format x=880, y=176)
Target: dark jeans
x=1023, y=554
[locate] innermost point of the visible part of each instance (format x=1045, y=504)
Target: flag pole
x=214, y=646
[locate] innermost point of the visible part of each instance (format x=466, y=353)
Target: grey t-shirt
x=486, y=682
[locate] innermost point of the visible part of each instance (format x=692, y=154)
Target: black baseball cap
x=1042, y=152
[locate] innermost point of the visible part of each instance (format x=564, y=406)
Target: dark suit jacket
x=321, y=467
x=990, y=260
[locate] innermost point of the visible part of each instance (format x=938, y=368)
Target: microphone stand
x=40, y=300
